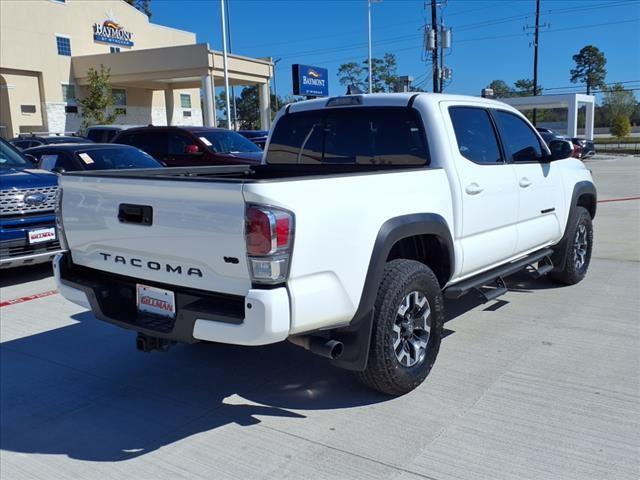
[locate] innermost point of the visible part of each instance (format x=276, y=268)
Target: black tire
x=579, y=228
x=385, y=372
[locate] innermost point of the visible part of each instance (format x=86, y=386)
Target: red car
x=192, y=146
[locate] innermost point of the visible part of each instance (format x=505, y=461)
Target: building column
x=169, y=104
x=209, y=111
x=589, y=120
x=265, y=105
x=572, y=117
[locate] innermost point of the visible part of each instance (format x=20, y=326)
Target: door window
x=475, y=135
x=51, y=160
x=154, y=143
x=520, y=141
x=177, y=143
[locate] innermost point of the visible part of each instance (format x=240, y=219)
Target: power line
x=470, y=26
x=494, y=37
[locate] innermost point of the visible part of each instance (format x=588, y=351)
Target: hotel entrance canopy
x=570, y=101
x=180, y=67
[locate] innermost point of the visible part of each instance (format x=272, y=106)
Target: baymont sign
x=110, y=32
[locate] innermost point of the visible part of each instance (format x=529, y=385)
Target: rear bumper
x=259, y=318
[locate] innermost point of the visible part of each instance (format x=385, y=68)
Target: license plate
x=155, y=301
x=42, y=235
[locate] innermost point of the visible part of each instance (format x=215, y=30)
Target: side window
x=177, y=143
x=520, y=142
x=65, y=162
x=475, y=135
x=51, y=160
x=95, y=135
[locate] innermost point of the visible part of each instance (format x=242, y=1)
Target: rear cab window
x=391, y=136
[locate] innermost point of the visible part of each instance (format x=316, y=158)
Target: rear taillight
x=577, y=151
x=62, y=238
x=269, y=239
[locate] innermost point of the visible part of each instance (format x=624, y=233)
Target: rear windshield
x=352, y=135
x=116, y=158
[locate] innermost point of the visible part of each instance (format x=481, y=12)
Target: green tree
x=500, y=89
x=524, y=88
x=142, y=5
x=620, y=127
x=383, y=73
x=590, y=68
x=350, y=74
x=98, y=99
x=619, y=102
x=389, y=72
x=247, y=108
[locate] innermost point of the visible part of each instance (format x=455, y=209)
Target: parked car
x=582, y=148
x=259, y=137
x=105, y=133
x=369, y=211
x=90, y=156
x=25, y=142
x=588, y=147
x=192, y=146
x=27, y=200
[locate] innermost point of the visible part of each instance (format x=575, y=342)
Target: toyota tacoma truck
x=27, y=201
x=368, y=212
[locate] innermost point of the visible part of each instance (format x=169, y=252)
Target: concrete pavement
x=543, y=384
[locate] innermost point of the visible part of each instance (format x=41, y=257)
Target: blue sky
x=489, y=40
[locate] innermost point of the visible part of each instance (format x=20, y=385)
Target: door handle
x=473, y=189
x=525, y=182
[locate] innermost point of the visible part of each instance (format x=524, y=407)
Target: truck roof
x=396, y=99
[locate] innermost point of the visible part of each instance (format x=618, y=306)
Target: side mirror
x=31, y=158
x=58, y=170
x=192, y=149
x=560, y=149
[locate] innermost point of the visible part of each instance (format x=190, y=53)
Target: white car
x=370, y=210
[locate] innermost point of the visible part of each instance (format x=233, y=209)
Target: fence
x=632, y=148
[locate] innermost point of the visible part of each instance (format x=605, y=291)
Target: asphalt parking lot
x=543, y=383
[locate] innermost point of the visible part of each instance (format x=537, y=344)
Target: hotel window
x=119, y=97
x=68, y=93
x=64, y=46
x=114, y=49
x=185, y=100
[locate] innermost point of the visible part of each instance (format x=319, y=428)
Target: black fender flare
x=587, y=188
x=356, y=337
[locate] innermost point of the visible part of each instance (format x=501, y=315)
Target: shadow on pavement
x=14, y=276
x=84, y=391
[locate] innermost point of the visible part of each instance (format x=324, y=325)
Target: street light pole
x=224, y=62
x=275, y=87
x=370, y=66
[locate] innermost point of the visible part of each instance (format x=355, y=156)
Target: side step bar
x=496, y=275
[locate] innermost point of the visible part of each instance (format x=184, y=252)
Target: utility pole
x=370, y=66
x=434, y=52
x=275, y=87
x=535, y=57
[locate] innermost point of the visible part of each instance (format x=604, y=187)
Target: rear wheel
x=407, y=328
x=578, y=249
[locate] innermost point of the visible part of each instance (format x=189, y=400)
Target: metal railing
x=631, y=148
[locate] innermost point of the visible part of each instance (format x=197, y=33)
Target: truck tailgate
x=194, y=237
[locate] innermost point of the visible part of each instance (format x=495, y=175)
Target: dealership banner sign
x=310, y=81
x=110, y=32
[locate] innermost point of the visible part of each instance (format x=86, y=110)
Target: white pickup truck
x=367, y=212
